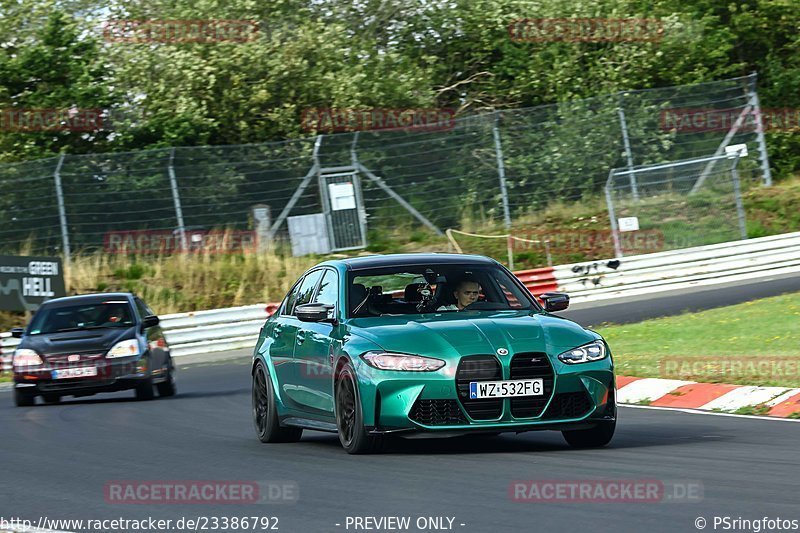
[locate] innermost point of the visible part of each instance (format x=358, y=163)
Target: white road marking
x=744, y=397
x=711, y=413
x=783, y=397
x=648, y=389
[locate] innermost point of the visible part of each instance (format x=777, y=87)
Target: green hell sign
x=27, y=282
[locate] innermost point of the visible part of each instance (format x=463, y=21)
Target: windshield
x=433, y=288
x=109, y=314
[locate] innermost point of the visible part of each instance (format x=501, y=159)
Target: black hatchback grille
x=528, y=366
x=569, y=405
x=479, y=368
x=437, y=413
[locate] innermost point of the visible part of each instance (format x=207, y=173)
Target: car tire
x=265, y=412
x=349, y=416
x=144, y=391
x=52, y=399
x=23, y=398
x=596, y=437
x=167, y=388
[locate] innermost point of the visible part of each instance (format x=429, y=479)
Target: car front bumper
x=576, y=397
x=112, y=375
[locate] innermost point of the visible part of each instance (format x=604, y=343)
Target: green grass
x=754, y=343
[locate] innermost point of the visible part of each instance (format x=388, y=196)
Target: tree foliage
x=363, y=54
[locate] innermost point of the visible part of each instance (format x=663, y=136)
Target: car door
x=284, y=335
x=313, y=352
x=154, y=336
x=278, y=343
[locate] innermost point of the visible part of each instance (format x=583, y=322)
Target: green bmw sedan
x=416, y=345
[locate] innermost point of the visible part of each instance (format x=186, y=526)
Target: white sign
x=343, y=196
x=733, y=149
x=629, y=224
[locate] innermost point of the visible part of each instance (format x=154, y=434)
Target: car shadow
x=628, y=436
x=468, y=444
x=129, y=398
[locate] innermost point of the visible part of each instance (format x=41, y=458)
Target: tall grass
x=188, y=282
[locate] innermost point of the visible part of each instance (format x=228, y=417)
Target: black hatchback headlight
x=594, y=351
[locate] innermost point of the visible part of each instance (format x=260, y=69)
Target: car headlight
x=402, y=362
x=124, y=349
x=26, y=357
x=594, y=351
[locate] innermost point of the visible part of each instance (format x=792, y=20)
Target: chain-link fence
x=681, y=204
x=487, y=170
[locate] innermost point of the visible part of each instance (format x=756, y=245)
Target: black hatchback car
x=82, y=345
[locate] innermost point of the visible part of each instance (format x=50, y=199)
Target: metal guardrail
x=193, y=333
x=238, y=327
x=703, y=265
x=7, y=345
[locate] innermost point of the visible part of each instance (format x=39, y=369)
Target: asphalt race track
x=56, y=460
x=636, y=309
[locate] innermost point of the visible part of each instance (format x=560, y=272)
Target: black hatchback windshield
x=433, y=288
x=109, y=314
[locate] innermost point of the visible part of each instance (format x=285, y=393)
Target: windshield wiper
x=77, y=329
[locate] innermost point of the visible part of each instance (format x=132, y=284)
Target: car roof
x=389, y=260
x=88, y=299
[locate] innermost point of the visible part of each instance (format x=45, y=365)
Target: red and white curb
x=770, y=401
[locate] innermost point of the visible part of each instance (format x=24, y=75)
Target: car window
x=107, y=314
x=403, y=290
x=328, y=289
x=306, y=290
x=142, y=308
x=288, y=302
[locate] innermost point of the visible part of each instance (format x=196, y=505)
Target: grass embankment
x=579, y=231
x=754, y=343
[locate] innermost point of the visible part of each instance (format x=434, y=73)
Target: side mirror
x=555, y=301
x=150, y=321
x=17, y=332
x=313, y=312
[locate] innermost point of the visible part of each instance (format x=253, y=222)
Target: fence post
x=766, y=176
x=176, y=198
x=612, y=215
x=737, y=192
x=626, y=142
x=501, y=171
x=62, y=213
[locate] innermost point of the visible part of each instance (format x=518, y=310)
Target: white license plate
x=78, y=372
x=506, y=389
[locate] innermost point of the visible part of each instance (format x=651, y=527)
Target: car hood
x=469, y=333
x=83, y=341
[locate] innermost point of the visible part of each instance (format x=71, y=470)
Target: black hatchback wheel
x=23, y=398
x=167, y=387
x=265, y=414
x=349, y=416
x=52, y=399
